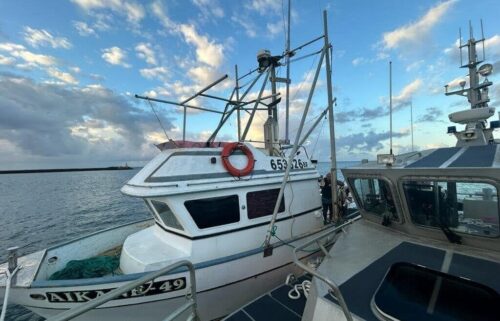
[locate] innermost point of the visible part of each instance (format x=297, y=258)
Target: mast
x=474, y=119
x=287, y=106
x=411, y=121
x=333, y=167
x=390, y=104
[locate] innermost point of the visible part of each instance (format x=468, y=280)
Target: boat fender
x=228, y=150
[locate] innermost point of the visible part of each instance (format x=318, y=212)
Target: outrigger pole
x=333, y=168
x=268, y=248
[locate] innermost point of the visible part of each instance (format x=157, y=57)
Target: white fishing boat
x=232, y=211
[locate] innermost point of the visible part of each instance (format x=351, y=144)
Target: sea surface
x=43, y=209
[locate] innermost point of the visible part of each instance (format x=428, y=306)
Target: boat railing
x=190, y=296
x=333, y=287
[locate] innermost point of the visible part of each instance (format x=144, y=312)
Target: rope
x=159, y=121
x=305, y=287
x=319, y=135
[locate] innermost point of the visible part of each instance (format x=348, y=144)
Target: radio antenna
x=390, y=104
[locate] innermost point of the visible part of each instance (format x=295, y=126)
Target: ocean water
x=43, y=209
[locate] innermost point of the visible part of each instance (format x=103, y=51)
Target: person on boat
x=326, y=198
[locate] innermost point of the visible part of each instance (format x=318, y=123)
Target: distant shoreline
x=57, y=170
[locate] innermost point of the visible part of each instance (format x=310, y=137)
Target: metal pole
x=247, y=128
x=313, y=126
x=292, y=155
x=204, y=89
x=287, y=111
x=177, y=104
x=333, y=169
x=390, y=104
x=237, y=99
x=411, y=120
x=224, y=119
x=184, y=125
x=273, y=112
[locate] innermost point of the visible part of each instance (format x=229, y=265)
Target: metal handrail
x=81, y=309
x=331, y=284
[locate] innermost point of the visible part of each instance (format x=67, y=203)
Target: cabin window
x=166, y=215
x=412, y=292
x=215, y=211
x=465, y=207
x=375, y=197
x=261, y=203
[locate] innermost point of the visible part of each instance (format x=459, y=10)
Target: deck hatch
x=412, y=292
x=369, y=278
x=476, y=156
x=436, y=158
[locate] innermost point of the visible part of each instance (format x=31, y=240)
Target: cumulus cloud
x=399, y=101
x=133, y=11
x=30, y=58
x=154, y=73
x=145, y=52
x=84, y=29
x=41, y=37
x=90, y=122
x=370, y=141
x=207, y=51
x=247, y=24
x=210, y=7
x=62, y=76
x=115, y=56
x=264, y=7
x=416, y=33
x=6, y=60
x=431, y=115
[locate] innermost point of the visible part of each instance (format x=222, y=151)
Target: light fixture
x=387, y=159
x=485, y=70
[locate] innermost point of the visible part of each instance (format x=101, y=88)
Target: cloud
x=274, y=28
x=132, y=10
x=115, y=56
x=416, y=33
x=41, y=37
x=399, y=101
x=432, y=114
x=359, y=61
x=6, y=60
x=207, y=51
x=155, y=72
x=62, y=76
x=211, y=7
x=247, y=24
x=84, y=29
x=145, y=52
x=91, y=122
x=264, y=7
x=370, y=141
x=31, y=59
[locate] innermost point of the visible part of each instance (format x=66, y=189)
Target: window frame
x=212, y=197
x=283, y=202
x=456, y=179
x=393, y=189
x=159, y=219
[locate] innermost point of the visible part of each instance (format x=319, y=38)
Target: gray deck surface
x=275, y=305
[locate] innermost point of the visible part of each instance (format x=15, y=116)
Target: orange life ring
x=228, y=150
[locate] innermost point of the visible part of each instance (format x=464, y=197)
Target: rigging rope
x=159, y=121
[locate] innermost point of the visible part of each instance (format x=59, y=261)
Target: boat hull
x=221, y=288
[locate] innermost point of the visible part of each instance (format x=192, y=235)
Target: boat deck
x=274, y=305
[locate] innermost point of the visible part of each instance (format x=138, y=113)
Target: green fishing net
x=89, y=268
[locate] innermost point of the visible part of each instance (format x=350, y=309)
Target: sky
x=69, y=71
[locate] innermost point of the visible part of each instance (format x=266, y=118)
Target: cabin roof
x=486, y=156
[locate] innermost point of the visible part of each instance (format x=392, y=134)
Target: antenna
x=287, y=106
x=471, y=33
x=411, y=121
x=482, y=38
x=390, y=103
x=460, y=45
